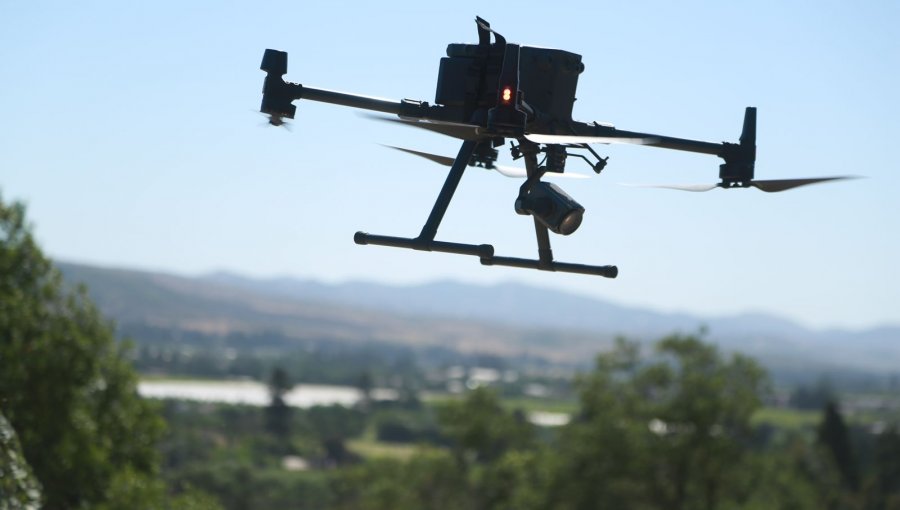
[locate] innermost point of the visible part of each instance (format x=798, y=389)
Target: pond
x=256, y=394
x=303, y=395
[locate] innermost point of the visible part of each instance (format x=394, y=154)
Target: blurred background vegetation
x=678, y=423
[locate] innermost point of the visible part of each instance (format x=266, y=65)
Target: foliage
x=18, y=488
x=67, y=387
x=665, y=434
x=813, y=398
x=256, y=354
x=279, y=383
x=428, y=480
x=670, y=428
x=242, y=485
x=883, y=486
x=481, y=430
x=777, y=479
x=835, y=437
x=407, y=426
x=519, y=480
x=278, y=413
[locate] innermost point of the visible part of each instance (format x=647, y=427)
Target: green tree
x=278, y=413
x=518, y=480
x=834, y=436
x=430, y=479
x=494, y=451
x=883, y=486
x=481, y=430
x=602, y=454
x=664, y=433
x=365, y=384
x=18, y=488
x=66, y=385
x=814, y=397
x=781, y=478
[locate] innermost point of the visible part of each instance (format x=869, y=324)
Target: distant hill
x=774, y=339
x=502, y=319
x=507, y=303
x=149, y=302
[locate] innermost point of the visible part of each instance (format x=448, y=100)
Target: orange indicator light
x=507, y=94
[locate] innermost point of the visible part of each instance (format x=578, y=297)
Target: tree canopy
x=66, y=385
x=18, y=488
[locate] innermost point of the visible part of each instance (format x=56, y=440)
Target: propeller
x=681, y=187
x=776, y=185
x=458, y=130
x=507, y=171
x=275, y=120
x=769, y=186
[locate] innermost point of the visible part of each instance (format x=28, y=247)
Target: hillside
x=502, y=319
x=154, y=302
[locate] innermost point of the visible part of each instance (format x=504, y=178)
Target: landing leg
x=425, y=241
x=447, y=191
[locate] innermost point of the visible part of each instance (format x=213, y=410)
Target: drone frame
x=511, y=117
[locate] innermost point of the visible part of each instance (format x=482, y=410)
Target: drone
x=493, y=91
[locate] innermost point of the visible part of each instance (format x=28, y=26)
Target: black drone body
x=493, y=91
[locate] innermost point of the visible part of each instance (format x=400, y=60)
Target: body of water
x=253, y=393
x=256, y=394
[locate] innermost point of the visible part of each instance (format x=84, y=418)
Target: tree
x=430, y=479
x=18, y=488
x=481, y=430
x=883, y=487
x=278, y=414
x=668, y=433
x=603, y=462
x=365, y=385
x=835, y=438
x=66, y=386
x=814, y=397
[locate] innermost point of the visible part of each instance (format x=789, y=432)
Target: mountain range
x=506, y=319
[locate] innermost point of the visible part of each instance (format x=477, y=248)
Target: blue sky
x=130, y=131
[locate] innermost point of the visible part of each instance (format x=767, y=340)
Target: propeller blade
x=506, y=171
x=680, y=187
x=511, y=171
x=776, y=185
x=441, y=160
x=517, y=173
x=574, y=139
x=274, y=120
x=454, y=129
x=769, y=186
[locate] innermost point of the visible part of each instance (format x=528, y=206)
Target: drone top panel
x=548, y=79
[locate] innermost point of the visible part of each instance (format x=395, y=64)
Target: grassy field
x=527, y=404
x=791, y=419
x=371, y=448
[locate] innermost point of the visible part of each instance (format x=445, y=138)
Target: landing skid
x=426, y=242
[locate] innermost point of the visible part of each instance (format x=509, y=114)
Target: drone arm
x=740, y=158
x=279, y=94
x=681, y=144
x=581, y=129
x=352, y=100
x=287, y=92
